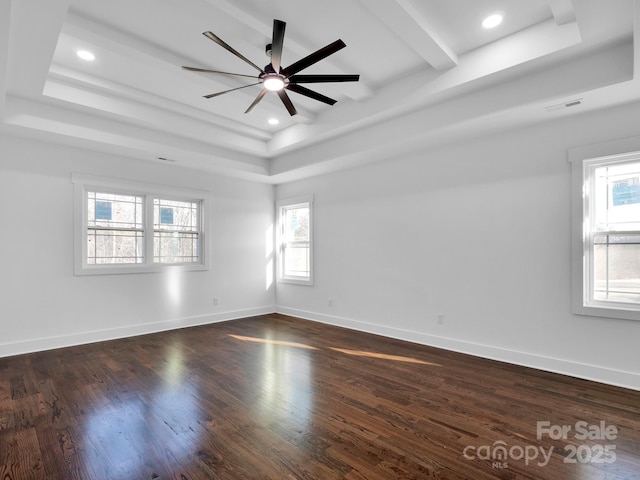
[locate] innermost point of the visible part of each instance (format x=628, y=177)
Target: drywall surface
x=43, y=305
x=468, y=248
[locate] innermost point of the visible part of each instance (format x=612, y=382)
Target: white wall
x=43, y=305
x=478, y=232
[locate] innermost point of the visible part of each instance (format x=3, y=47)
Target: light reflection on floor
x=357, y=353
x=272, y=342
x=383, y=356
x=167, y=419
x=170, y=418
x=287, y=377
x=286, y=381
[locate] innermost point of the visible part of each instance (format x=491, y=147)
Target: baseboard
x=565, y=367
x=49, y=343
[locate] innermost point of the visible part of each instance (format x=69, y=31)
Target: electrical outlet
x=215, y=300
x=440, y=319
x=330, y=302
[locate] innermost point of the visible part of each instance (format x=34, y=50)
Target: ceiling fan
x=277, y=79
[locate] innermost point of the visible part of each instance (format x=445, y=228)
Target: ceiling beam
x=415, y=30
x=429, y=87
x=29, y=60
x=503, y=106
x=563, y=11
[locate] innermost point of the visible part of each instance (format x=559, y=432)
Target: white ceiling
x=429, y=74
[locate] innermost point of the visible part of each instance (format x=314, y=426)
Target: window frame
x=281, y=207
x=85, y=183
x=584, y=161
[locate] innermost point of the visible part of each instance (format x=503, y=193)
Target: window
x=176, y=231
x=131, y=227
x=115, y=232
x=295, y=252
x=609, y=274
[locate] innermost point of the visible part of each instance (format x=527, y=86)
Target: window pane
x=297, y=224
x=297, y=260
x=173, y=215
x=176, y=231
x=114, y=211
x=114, y=228
x=616, y=268
x=617, y=197
x=175, y=247
x=114, y=246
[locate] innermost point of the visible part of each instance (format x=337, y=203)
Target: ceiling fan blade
x=257, y=100
x=323, y=78
x=287, y=102
x=277, y=43
x=211, y=95
x=223, y=44
x=310, y=93
x=204, y=70
x=316, y=56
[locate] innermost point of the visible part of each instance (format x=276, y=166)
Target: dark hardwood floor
x=275, y=397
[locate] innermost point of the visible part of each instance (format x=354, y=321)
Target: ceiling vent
x=563, y=106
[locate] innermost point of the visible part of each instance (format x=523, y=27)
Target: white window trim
x=293, y=202
x=581, y=159
x=83, y=183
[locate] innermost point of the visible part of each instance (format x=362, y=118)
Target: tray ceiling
x=430, y=74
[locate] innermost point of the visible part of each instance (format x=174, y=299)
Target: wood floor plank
x=276, y=397
x=20, y=451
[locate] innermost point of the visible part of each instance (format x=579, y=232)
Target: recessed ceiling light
x=492, y=21
x=86, y=55
x=273, y=121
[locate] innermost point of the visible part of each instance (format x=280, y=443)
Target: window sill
x=296, y=281
x=133, y=269
x=622, y=312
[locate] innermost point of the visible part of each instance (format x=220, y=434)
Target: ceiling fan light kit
x=273, y=82
x=274, y=78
